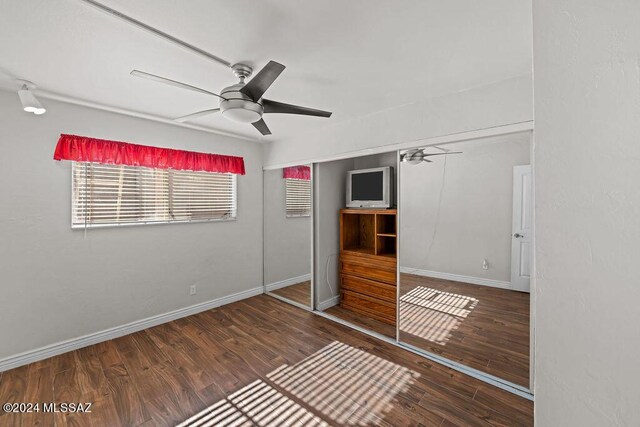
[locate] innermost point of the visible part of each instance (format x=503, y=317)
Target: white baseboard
x=322, y=306
x=457, y=277
x=118, y=331
x=288, y=282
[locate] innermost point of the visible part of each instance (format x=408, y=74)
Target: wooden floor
x=300, y=293
x=255, y=362
x=482, y=327
x=362, y=320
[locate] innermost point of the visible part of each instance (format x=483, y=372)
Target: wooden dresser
x=368, y=248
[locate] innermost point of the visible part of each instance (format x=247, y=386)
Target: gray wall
x=329, y=185
x=474, y=220
x=587, y=163
x=58, y=285
x=287, y=241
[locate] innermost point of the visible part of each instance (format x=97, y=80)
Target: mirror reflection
x=465, y=253
x=356, y=267
x=287, y=234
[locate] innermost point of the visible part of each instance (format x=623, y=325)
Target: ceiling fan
x=243, y=102
x=418, y=155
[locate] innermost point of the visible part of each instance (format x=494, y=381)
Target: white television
x=370, y=188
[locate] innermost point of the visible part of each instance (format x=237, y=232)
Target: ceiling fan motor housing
x=239, y=107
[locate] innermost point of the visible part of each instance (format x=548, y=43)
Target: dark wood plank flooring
x=362, y=320
x=300, y=293
x=255, y=362
x=482, y=327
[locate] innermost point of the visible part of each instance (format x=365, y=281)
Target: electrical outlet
x=485, y=264
x=193, y=289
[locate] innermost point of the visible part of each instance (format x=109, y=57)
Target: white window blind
x=298, y=197
x=107, y=195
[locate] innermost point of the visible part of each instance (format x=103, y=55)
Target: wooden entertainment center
x=368, y=247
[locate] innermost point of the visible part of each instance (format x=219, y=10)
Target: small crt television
x=370, y=188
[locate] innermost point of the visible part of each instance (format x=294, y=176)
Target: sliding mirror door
x=287, y=234
x=465, y=254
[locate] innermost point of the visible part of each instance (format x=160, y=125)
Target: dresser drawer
x=371, y=288
x=382, y=262
x=373, y=307
x=368, y=271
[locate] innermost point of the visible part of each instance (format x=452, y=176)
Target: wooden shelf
x=385, y=235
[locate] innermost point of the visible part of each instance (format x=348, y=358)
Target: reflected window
x=298, y=197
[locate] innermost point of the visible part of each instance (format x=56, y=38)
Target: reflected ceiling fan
x=418, y=155
x=243, y=102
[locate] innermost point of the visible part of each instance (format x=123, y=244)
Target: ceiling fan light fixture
x=238, y=107
x=241, y=114
x=412, y=157
x=29, y=102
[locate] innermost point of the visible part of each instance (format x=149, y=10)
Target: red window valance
x=85, y=149
x=297, y=172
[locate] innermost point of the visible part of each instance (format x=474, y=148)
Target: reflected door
x=522, y=229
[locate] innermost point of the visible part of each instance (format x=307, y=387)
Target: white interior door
x=521, y=233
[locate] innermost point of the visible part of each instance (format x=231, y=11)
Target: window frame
x=85, y=226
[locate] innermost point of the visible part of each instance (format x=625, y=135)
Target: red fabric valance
x=297, y=172
x=84, y=149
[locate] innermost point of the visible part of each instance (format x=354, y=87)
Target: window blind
x=107, y=195
x=298, y=197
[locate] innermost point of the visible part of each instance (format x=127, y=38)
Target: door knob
x=518, y=235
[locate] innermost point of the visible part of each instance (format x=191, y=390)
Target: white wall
x=501, y=103
x=473, y=220
x=330, y=189
x=287, y=241
x=57, y=285
x=587, y=160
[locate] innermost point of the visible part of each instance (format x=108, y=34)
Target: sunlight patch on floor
x=432, y=314
x=339, y=384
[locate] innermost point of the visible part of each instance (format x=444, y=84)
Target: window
x=107, y=195
x=298, y=197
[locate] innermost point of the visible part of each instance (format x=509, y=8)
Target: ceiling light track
x=156, y=32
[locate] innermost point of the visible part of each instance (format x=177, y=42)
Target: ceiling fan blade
x=149, y=76
x=196, y=115
x=262, y=127
x=259, y=84
x=282, y=108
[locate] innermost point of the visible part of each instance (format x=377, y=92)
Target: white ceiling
x=351, y=57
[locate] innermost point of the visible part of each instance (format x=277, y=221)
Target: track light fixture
x=30, y=103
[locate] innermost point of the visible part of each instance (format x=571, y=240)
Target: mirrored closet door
x=287, y=234
x=465, y=232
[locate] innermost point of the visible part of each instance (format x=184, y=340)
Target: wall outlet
x=193, y=289
x=485, y=264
